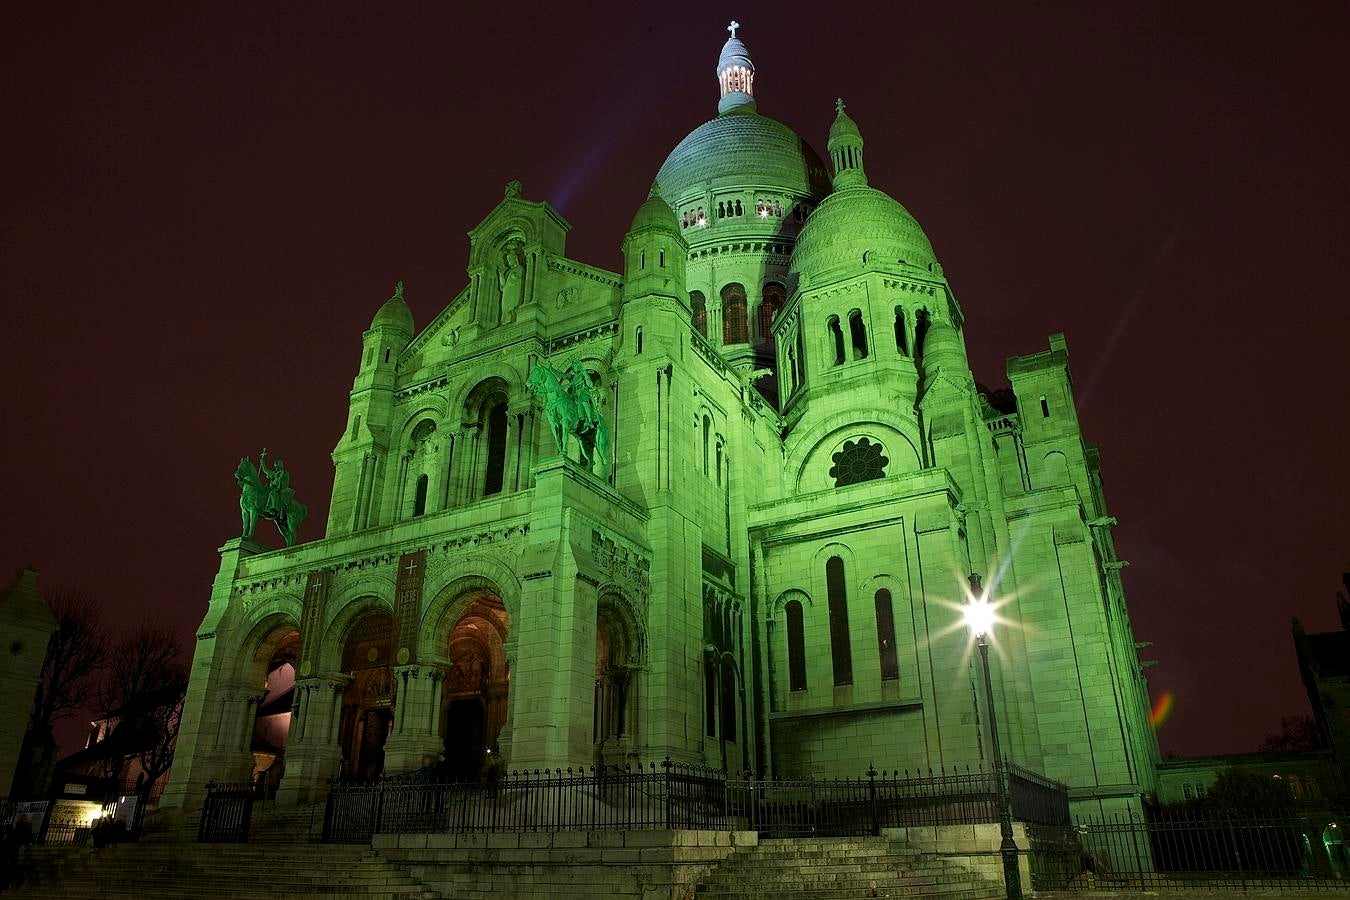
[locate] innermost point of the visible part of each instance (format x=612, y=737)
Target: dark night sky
x=205, y=207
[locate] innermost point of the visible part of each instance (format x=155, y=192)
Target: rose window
x=856, y=461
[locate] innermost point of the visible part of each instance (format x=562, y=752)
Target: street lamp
x=979, y=617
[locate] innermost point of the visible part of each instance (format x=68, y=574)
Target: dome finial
x=845, y=146
x=735, y=73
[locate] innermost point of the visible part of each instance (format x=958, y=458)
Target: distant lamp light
x=702, y=222
x=763, y=213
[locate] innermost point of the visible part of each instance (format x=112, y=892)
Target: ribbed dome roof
x=395, y=314
x=853, y=222
x=655, y=213
x=744, y=148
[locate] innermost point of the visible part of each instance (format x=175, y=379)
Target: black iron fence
x=671, y=795
x=226, y=812
x=1215, y=851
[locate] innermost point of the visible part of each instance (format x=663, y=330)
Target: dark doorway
x=464, y=744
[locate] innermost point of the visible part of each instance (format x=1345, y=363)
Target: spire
x=735, y=73
x=846, y=146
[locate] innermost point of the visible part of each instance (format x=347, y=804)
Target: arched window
x=719, y=462
x=707, y=434
x=496, y=448
x=728, y=700
x=890, y=664
x=735, y=328
x=739, y=211
x=858, y=332
x=901, y=345
x=699, y=304
x=778, y=209
x=796, y=647
x=775, y=295
x=420, y=498
x=638, y=335
x=841, y=656
x=837, y=334
x=860, y=460
x=721, y=210
x=661, y=258
x=642, y=260
x=799, y=378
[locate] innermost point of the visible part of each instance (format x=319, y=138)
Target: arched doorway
x=617, y=654
x=274, y=660
x=476, y=687
x=368, y=703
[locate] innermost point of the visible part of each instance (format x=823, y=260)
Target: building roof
x=858, y=221
x=741, y=148
x=1330, y=652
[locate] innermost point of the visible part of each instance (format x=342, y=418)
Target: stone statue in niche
x=511, y=277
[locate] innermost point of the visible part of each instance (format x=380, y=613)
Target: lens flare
x=1162, y=709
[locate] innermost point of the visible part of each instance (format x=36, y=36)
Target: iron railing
x=226, y=812
x=1214, y=851
x=671, y=795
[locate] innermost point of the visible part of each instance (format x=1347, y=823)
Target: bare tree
x=143, y=692
x=75, y=654
x=1296, y=733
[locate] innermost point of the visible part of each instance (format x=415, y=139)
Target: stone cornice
x=581, y=270
x=435, y=324
x=595, y=332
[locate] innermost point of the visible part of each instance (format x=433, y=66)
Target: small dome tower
x=735, y=74
x=653, y=252
x=846, y=150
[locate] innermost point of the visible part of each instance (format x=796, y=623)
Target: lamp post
x=979, y=617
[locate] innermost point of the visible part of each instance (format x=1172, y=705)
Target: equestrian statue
x=274, y=500
x=572, y=411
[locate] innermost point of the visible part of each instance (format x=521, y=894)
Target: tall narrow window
x=858, y=332
x=707, y=434
x=769, y=305
x=420, y=498
x=642, y=260
x=661, y=258
x=796, y=647
x=496, y=448
x=739, y=211
x=386, y=355
x=1045, y=408
x=699, y=305
x=356, y=428
x=837, y=334
x=800, y=378
x=728, y=700
x=638, y=334
x=890, y=664
x=735, y=328
x=901, y=345
x=840, y=654
x=710, y=698
x=721, y=210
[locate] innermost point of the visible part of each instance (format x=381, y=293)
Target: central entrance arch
x=476, y=686
x=368, y=703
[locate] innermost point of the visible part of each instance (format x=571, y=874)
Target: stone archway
x=618, y=656
x=272, y=714
x=476, y=687
x=368, y=702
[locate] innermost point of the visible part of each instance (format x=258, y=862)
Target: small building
x=1324, y=665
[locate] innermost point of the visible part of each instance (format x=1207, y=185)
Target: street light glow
x=979, y=615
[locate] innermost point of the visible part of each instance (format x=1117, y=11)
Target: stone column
x=312, y=752
x=414, y=738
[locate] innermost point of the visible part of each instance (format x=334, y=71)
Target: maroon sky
x=203, y=209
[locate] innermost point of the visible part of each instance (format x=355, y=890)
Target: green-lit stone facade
x=802, y=473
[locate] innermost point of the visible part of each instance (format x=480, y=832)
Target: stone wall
x=975, y=847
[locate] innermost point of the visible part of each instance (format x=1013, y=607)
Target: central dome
x=742, y=148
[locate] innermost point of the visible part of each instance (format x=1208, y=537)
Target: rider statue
x=583, y=395
x=279, y=490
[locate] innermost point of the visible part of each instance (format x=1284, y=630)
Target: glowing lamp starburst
x=979, y=616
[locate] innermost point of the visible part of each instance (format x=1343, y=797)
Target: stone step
x=853, y=892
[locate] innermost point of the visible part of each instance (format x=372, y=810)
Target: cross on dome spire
x=735, y=73
x=839, y=106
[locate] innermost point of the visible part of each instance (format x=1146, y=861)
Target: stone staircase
x=842, y=869
x=189, y=871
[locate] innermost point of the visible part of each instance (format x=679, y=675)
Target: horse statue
x=274, y=500
x=570, y=408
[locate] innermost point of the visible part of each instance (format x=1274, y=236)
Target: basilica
x=722, y=506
